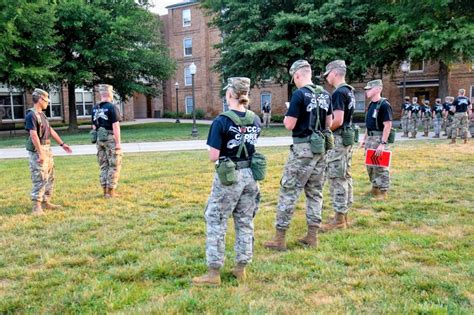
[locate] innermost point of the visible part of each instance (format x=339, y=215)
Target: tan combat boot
x=465, y=140
x=105, y=191
x=381, y=195
x=426, y=134
x=339, y=222
x=311, y=238
x=51, y=206
x=453, y=140
x=212, y=277
x=112, y=193
x=278, y=242
x=37, y=209
x=405, y=135
x=239, y=272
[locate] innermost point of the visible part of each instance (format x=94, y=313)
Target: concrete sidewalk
x=15, y=153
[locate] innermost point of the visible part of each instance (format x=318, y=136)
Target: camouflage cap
x=240, y=85
x=40, y=92
x=373, y=83
x=407, y=98
x=297, y=65
x=336, y=64
x=105, y=88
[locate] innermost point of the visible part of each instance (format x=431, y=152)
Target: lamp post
x=176, y=85
x=192, y=71
x=405, y=67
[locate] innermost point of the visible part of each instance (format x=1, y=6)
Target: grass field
x=137, y=254
x=162, y=131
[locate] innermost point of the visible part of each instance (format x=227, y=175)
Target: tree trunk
x=443, y=80
x=71, y=88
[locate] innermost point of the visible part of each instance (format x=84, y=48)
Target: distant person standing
x=426, y=117
x=437, y=116
x=462, y=111
x=106, y=121
x=405, y=114
x=39, y=150
x=267, y=114
x=448, y=115
x=413, y=116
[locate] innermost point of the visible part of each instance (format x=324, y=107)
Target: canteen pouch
x=356, y=133
x=226, y=172
x=102, y=134
x=391, y=135
x=258, y=165
x=329, y=139
x=317, y=142
x=93, y=135
x=347, y=136
x=29, y=145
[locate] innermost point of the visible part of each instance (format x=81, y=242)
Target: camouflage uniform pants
x=303, y=170
x=379, y=176
x=413, y=125
x=110, y=162
x=42, y=175
x=437, y=125
x=460, y=123
x=449, y=126
x=405, y=123
x=426, y=122
x=339, y=162
x=241, y=200
x=266, y=119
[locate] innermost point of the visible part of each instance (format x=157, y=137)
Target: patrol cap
x=373, y=83
x=407, y=98
x=297, y=65
x=40, y=92
x=336, y=64
x=240, y=85
x=105, y=88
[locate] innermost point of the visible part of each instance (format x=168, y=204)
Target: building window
x=188, y=47
x=188, y=101
x=12, y=104
x=417, y=66
x=265, y=97
x=472, y=91
x=225, y=106
x=360, y=101
x=186, y=17
x=84, y=102
x=54, y=108
x=187, y=77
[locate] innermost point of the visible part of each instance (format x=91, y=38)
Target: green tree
x=119, y=43
x=27, y=55
x=437, y=30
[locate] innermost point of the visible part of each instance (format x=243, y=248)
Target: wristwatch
x=383, y=142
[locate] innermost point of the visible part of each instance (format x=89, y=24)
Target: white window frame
x=262, y=96
x=184, y=47
x=417, y=71
x=186, y=99
x=186, y=82
x=84, y=91
x=11, y=93
x=49, y=110
x=185, y=18
x=472, y=91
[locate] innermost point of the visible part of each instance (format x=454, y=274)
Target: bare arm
x=290, y=122
x=387, y=125
x=338, y=119
x=214, y=154
x=117, y=138
x=36, y=142
x=329, y=121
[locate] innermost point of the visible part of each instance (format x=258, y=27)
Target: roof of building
x=182, y=4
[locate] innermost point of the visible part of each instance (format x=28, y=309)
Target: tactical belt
x=242, y=164
x=338, y=131
x=297, y=140
x=374, y=133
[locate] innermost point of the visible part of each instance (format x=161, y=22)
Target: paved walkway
x=14, y=153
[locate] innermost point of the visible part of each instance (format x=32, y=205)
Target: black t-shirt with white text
x=461, y=103
x=104, y=115
x=447, y=107
x=303, y=102
x=415, y=109
x=343, y=99
x=426, y=110
x=384, y=114
x=31, y=123
x=406, y=106
x=226, y=136
x=438, y=109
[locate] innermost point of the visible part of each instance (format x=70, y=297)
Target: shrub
x=277, y=118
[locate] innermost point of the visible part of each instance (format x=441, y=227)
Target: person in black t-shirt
x=267, y=114
x=340, y=157
x=448, y=115
x=437, y=115
x=426, y=117
x=462, y=111
x=378, y=121
x=232, y=139
x=303, y=170
x=414, y=116
x=40, y=154
x=405, y=113
x=106, y=121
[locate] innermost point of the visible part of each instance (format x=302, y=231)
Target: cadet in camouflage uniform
x=378, y=125
x=405, y=114
x=448, y=115
x=41, y=156
x=303, y=170
x=239, y=199
x=462, y=111
x=437, y=117
x=339, y=159
x=413, y=116
x=106, y=120
x=426, y=117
